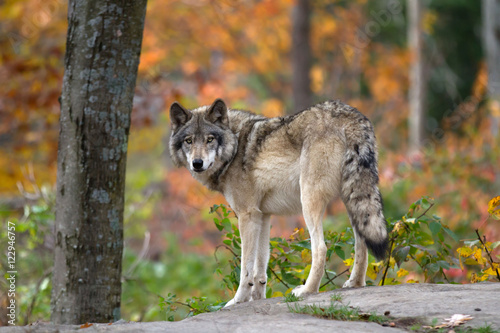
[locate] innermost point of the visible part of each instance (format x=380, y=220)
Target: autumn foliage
x=196, y=51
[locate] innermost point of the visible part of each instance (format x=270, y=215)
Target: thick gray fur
x=286, y=165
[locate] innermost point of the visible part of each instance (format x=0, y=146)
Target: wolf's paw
x=301, y=291
x=231, y=302
x=353, y=284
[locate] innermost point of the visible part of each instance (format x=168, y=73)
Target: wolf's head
x=201, y=139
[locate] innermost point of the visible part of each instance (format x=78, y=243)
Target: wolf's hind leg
x=358, y=274
x=261, y=261
x=313, y=209
x=250, y=224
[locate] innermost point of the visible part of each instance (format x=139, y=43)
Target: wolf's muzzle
x=198, y=165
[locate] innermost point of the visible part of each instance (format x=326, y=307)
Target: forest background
x=196, y=51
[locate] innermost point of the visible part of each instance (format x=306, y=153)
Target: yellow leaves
x=478, y=256
x=464, y=251
x=494, y=208
x=490, y=271
x=298, y=233
x=374, y=269
x=474, y=278
x=302, y=273
x=348, y=262
x=429, y=19
x=402, y=272
x=11, y=11
x=306, y=255
x=399, y=227
x=474, y=256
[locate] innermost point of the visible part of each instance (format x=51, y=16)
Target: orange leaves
x=272, y=108
x=317, y=79
x=388, y=77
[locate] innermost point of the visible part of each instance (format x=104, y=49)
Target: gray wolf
x=285, y=165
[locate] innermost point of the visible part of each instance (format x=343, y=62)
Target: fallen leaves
x=454, y=321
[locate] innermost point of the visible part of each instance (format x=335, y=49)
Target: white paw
x=300, y=291
x=231, y=302
x=353, y=284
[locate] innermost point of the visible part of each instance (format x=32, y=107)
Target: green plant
x=419, y=243
x=478, y=252
x=32, y=230
x=486, y=328
x=420, y=238
x=195, y=305
x=336, y=297
x=290, y=298
x=336, y=311
x=290, y=259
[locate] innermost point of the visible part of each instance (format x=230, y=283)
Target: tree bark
x=417, y=84
x=491, y=42
x=102, y=56
x=301, y=56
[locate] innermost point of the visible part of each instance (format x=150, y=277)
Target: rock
x=408, y=304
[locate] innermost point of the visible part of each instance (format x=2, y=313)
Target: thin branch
x=142, y=254
x=278, y=278
x=33, y=300
x=227, y=248
x=425, y=212
x=488, y=253
x=388, y=263
x=445, y=277
x=333, y=278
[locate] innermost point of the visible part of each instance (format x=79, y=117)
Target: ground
x=406, y=306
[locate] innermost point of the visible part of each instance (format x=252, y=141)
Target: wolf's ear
x=217, y=113
x=179, y=115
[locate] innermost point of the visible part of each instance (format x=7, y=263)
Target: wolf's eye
x=210, y=139
x=189, y=141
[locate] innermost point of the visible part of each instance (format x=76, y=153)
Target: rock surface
x=408, y=304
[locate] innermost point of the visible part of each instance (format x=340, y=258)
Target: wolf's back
x=359, y=189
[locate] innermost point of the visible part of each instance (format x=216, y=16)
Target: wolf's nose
x=197, y=164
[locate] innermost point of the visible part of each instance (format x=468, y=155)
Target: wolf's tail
x=360, y=192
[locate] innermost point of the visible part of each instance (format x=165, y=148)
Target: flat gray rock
x=408, y=304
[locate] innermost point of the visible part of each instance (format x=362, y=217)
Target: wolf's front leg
x=250, y=224
x=261, y=261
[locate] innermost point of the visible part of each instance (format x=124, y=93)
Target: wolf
x=285, y=165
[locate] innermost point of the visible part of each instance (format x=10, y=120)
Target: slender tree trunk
x=301, y=56
x=102, y=56
x=417, y=83
x=491, y=42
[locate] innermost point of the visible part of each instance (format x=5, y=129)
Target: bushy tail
x=360, y=192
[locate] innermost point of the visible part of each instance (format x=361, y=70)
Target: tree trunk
x=417, y=84
x=491, y=42
x=301, y=56
x=102, y=56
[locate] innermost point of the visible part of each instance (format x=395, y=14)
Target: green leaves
x=420, y=238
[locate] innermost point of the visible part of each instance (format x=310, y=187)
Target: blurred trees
x=491, y=44
x=301, y=55
x=416, y=96
x=102, y=57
